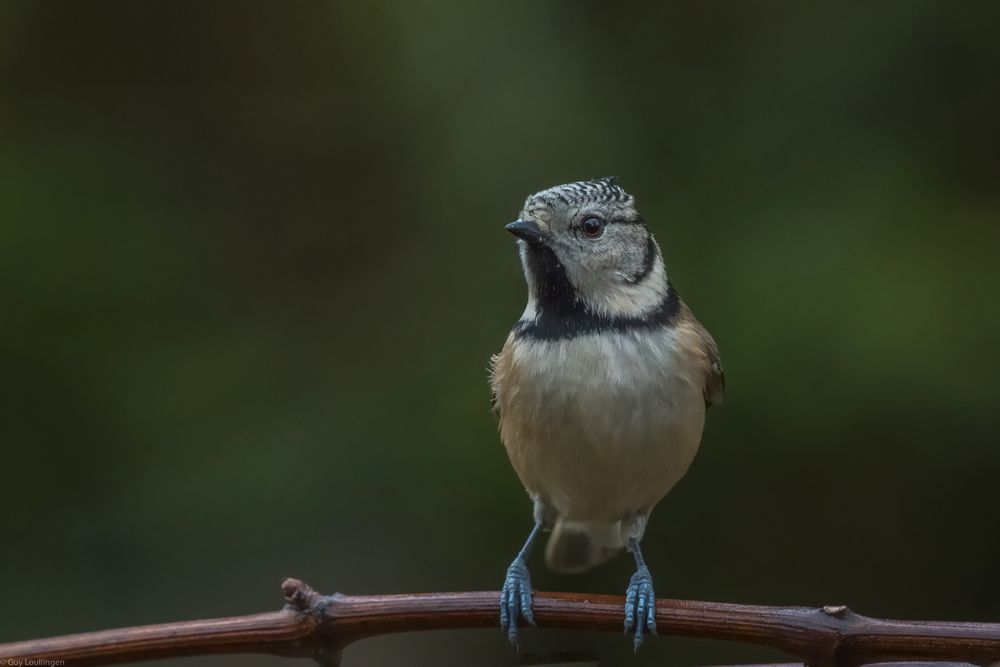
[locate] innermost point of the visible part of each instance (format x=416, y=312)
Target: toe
x=526, y=610
x=637, y=641
x=651, y=614
x=629, y=608
x=511, y=604
x=640, y=605
x=504, y=615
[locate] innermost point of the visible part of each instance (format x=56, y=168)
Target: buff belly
x=599, y=427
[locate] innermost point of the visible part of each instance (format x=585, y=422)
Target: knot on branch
x=303, y=598
x=837, y=610
x=300, y=596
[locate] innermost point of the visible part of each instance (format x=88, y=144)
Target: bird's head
x=584, y=244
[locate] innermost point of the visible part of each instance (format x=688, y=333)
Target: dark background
x=253, y=268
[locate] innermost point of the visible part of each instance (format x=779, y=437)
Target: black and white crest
x=581, y=193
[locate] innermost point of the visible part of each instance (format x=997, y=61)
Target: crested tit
x=601, y=387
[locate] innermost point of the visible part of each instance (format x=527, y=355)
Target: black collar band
x=579, y=320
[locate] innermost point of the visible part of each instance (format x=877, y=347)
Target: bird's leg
x=640, y=601
x=515, y=597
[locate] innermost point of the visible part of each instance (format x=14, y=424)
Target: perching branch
x=312, y=625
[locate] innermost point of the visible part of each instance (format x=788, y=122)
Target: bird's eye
x=592, y=227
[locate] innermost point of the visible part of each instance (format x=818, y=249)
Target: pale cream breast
x=601, y=426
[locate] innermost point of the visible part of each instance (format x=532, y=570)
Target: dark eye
x=592, y=227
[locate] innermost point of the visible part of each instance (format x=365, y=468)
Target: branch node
x=303, y=598
x=300, y=595
x=837, y=610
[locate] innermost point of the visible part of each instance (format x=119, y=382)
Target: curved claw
x=640, y=606
x=515, y=599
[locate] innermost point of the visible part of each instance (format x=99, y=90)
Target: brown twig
x=317, y=626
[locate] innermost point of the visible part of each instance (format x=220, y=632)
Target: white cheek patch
x=616, y=295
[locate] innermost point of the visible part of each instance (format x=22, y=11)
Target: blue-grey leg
x=640, y=600
x=515, y=597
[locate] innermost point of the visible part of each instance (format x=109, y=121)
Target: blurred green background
x=253, y=268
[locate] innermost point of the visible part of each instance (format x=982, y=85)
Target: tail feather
x=576, y=547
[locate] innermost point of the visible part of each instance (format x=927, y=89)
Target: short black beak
x=527, y=230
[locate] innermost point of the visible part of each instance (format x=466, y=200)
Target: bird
x=600, y=390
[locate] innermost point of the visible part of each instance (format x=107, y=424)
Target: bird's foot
x=640, y=606
x=515, y=598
